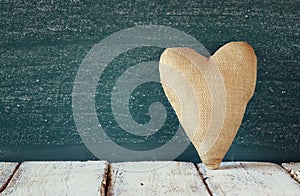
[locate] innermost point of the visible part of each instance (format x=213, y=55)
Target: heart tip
x=213, y=164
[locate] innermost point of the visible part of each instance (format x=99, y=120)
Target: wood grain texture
x=6, y=171
x=293, y=169
x=59, y=178
x=155, y=178
x=244, y=178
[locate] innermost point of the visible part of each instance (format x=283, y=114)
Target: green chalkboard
x=43, y=45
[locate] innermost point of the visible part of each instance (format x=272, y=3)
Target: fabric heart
x=210, y=95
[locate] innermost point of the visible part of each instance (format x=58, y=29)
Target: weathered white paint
x=6, y=171
x=293, y=169
x=59, y=178
x=249, y=178
x=168, y=178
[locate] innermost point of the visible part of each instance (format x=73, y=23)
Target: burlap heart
x=210, y=95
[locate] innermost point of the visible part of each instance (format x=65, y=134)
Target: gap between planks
x=293, y=169
x=7, y=170
x=174, y=178
x=203, y=179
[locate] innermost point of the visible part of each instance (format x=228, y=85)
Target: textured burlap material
x=210, y=95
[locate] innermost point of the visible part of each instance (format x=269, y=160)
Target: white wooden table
x=58, y=178
x=147, y=178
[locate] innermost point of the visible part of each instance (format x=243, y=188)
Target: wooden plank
x=155, y=178
x=59, y=178
x=293, y=169
x=242, y=178
x=44, y=42
x=6, y=171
